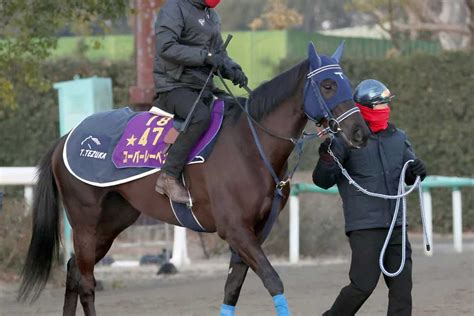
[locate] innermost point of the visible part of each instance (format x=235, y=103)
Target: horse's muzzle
x=359, y=136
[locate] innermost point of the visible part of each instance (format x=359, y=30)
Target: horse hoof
x=167, y=268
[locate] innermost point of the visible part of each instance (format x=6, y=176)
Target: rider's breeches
x=180, y=101
x=365, y=272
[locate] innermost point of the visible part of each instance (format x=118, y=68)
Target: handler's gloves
x=417, y=168
x=337, y=147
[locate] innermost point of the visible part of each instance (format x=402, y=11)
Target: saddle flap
x=171, y=136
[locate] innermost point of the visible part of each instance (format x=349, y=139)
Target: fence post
x=28, y=196
x=457, y=219
x=294, y=227
x=429, y=221
x=68, y=246
x=180, y=249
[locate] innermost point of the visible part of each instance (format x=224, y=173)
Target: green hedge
x=433, y=105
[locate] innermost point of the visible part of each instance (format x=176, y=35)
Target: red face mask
x=212, y=3
x=377, y=119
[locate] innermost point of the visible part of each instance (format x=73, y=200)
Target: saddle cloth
x=118, y=146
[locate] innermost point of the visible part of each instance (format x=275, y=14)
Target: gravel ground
x=443, y=285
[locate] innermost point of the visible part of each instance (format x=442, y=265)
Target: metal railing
x=429, y=183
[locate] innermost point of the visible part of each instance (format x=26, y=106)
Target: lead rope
x=401, y=196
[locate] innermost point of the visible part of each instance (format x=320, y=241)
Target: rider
x=188, y=46
x=377, y=168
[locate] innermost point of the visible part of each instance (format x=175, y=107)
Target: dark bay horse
x=233, y=190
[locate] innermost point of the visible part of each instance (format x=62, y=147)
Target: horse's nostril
x=358, y=135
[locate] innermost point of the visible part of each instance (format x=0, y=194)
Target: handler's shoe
x=171, y=187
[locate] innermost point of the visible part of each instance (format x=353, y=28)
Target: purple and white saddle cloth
x=119, y=146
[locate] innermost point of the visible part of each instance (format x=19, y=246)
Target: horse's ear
x=313, y=56
x=339, y=52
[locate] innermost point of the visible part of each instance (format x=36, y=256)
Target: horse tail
x=44, y=244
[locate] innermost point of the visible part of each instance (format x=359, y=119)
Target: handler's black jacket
x=376, y=168
x=185, y=30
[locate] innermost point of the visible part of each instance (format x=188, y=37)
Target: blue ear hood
x=322, y=68
x=339, y=52
x=313, y=57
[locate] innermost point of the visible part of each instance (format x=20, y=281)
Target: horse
x=232, y=192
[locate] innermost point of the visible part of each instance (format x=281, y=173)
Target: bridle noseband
x=334, y=123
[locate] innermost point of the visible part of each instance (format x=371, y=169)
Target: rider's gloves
x=234, y=73
x=216, y=60
x=239, y=77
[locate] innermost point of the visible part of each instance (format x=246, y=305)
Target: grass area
x=113, y=47
x=257, y=52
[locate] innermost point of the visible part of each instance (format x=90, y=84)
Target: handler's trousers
x=365, y=272
x=179, y=102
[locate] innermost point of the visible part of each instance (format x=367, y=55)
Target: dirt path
x=443, y=285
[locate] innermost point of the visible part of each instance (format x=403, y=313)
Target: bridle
x=333, y=123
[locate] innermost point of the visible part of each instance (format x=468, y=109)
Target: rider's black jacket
x=376, y=168
x=186, y=30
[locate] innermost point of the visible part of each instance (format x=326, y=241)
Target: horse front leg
x=235, y=279
x=246, y=244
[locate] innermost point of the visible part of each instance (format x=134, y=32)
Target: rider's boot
x=170, y=186
x=177, y=157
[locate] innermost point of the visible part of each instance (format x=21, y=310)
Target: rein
x=279, y=184
x=297, y=142
x=401, y=196
x=245, y=110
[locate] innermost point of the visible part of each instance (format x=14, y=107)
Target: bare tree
x=277, y=16
x=450, y=21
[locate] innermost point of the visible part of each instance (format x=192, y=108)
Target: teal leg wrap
x=281, y=305
x=227, y=310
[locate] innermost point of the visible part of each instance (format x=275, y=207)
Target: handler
x=376, y=168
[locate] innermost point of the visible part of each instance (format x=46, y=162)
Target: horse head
x=328, y=98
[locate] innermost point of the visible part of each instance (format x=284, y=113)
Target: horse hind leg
x=235, y=279
x=72, y=288
x=91, y=244
x=117, y=214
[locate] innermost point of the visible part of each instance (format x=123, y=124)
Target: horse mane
x=270, y=94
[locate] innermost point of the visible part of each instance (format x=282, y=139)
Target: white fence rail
x=22, y=176
x=25, y=176
x=429, y=183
